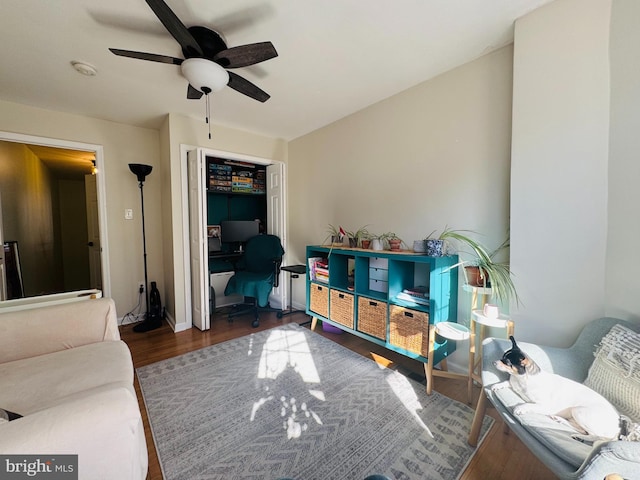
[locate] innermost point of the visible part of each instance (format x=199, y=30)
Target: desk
x=223, y=261
x=225, y=255
x=294, y=272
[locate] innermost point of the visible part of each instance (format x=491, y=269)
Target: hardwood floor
x=500, y=457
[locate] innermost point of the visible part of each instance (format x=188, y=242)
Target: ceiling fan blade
x=152, y=57
x=245, y=55
x=193, y=94
x=176, y=28
x=244, y=86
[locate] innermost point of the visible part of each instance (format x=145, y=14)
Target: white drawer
x=378, y=285
x=379, y=274
x=377, y=262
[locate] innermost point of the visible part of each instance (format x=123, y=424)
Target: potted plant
x=483, y=270
x=383, y=240
x=395, y=242
x=377, y=241
x=434, y=247
x=437, y=247
x=365, y=240
x=336, y=235
x=356, y=237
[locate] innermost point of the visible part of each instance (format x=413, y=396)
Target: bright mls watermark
x=50, y=467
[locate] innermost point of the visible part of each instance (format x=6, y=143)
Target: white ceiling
x=335, y=56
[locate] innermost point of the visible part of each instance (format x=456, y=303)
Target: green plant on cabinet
x=482, y=269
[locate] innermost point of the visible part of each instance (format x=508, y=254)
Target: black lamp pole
x=144, y=250
x=141, y=171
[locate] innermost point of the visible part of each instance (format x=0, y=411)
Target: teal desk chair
x=257, y=273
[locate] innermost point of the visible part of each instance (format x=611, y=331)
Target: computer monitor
x=238, y=231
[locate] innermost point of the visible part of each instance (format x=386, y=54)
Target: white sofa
x=66, y=371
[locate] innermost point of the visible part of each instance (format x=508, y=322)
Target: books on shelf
x=417, y=291
x=318, y=269
x=410, y=298
x=419, y=295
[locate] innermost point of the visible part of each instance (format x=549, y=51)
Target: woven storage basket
x=409, y=329
x=319, y=299
x=372, y=317
x=341, y=308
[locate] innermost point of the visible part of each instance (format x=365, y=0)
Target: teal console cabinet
x=369, y=293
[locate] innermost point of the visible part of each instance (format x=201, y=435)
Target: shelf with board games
x=234, y=177
x=388, y=298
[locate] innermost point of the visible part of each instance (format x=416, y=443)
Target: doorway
x=195, y=199
x=52, y=208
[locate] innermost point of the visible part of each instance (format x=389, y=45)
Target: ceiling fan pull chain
x=208, y=115
x=206, y=108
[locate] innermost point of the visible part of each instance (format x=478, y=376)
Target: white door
x=3, y=273
x=275, y=222
x=196, y=167
x=93, y=232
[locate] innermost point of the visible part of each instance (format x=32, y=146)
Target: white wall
x=623, y=251
x=559, y=165
x=434, y=155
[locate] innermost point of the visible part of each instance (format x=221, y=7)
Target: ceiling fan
x=207, y=57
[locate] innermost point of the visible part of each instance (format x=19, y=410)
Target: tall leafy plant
x=498, y=274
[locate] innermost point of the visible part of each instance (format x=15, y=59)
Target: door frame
x=184, y=149
x=98, y=150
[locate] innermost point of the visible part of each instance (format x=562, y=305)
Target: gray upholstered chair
x=551, y=441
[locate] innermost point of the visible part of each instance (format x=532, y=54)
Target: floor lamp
x=141, y=171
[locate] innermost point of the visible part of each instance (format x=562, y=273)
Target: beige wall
x=73, y=234
x=28, y=217
x=178, y=132
x=123, y=144
x=559, y=167
x=433, y=156
x=623, y=254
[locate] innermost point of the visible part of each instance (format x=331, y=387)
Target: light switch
x=128, y=214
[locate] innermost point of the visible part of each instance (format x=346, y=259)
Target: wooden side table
x=479, y=297
x=450, y=331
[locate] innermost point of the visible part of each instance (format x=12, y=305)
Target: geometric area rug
x=289, y=403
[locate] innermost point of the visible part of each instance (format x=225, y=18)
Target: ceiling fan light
x=204, y=74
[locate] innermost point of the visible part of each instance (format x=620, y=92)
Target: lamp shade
x=204, y=74
x=140, y=170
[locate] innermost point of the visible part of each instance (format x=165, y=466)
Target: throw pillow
x=615, y=372
x=629, y=431
x=7, y=416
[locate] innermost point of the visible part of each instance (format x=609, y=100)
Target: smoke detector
x=84, y=68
